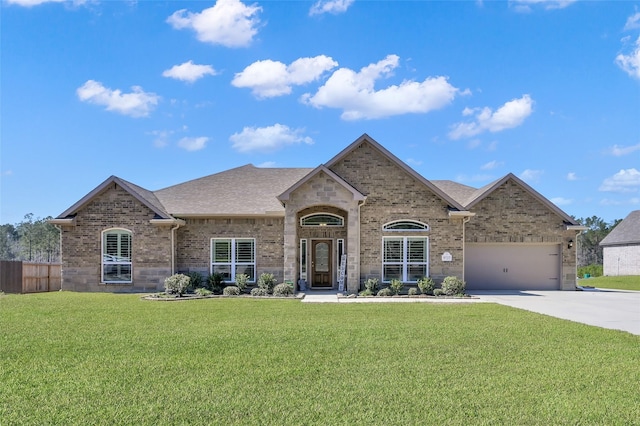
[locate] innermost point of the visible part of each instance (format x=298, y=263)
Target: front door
x=321, y=263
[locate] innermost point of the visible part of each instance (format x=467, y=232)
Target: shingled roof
x=243, y=191
x=626, y=232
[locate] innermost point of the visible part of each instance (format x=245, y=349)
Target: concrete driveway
x=614, y=309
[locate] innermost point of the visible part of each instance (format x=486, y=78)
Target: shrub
x=366, y=292
x=592, y=270
x=267, y=282
x=452, y=286
x=396, y=285
x=371, y=284
x=215, y=283
x=426, y=285
x=283, y=290
x=231, y=290
x=385, y=292
x=438, y=292
x=203, y=291
x=413, y=291
x=176, y=284
x=241, y=281
x=258, y=291
x=195, y=280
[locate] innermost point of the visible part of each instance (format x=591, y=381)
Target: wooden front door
x=321, y=265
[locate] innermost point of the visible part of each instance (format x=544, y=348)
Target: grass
x=619, y=283
x=72, y=358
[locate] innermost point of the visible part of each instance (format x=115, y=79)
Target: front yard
x=71, y=358
x=619, y=283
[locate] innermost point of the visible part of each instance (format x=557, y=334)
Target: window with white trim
x=405, y=225
x=116, y=256
x=233, y=256
x=303, y=259
x=405, y=258
x=322, y=219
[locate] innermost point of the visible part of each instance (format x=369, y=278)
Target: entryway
x=321, y=264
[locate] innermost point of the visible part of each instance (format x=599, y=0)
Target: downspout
x=173, y=248
x=464, y=243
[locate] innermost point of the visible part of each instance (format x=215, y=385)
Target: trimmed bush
x=413, y=291
x=366, y=292
x=438, y=292
x=385, y=292
x=215, y=283
x=426, y=285
x=231, y=290
x=259, y=291
x=371, y=284
x=203, y=292
x=176, y=284
x=241, y=281
x=195, y=280
x=283, y=290
x=452, y=286
x=396, y=286
x=267, y=281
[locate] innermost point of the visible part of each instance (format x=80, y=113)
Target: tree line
x=32, y=240
x=36, y=240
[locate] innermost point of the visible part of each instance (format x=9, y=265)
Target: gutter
x=177, y=224
x=466, y=217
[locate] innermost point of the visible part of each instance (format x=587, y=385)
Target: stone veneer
x=82, y=244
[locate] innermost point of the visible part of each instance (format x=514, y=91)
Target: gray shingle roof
x=246, y=190
x=626, y=232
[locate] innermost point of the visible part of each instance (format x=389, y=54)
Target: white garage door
x=512, y=267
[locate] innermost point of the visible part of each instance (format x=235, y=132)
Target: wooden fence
x=29, y=277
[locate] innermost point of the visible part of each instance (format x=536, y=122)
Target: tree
x=32, y=240
x=589, y=250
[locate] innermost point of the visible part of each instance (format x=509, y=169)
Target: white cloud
x=354, y=93
x=560, y=201
x=491, y=165
x=272, y=78
x=527, y=5
x=630, y=63
x=572, y=176
x=510, y=115
x=193, y=144
x=330, y=6
x=619, y=151
x=229, y=23
x=161, y=137
x=624, y=181
x=530, y=175
x=414, y=162
x=267, y=164
x=138, y=103
x=267, y=139
x=633, y=22
x=189, y=71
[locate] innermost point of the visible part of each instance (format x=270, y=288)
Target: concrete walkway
x=612, y=309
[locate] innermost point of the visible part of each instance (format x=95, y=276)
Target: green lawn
x=70, y=358
x=619, y=283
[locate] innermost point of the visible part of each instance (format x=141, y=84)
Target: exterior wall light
x=570, y=244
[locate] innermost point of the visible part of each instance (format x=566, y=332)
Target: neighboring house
x=364, y=205
x=621, y=248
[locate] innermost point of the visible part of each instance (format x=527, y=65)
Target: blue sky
x=160, y=92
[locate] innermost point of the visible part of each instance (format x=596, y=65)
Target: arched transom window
x=405, y=225
x=322, y=219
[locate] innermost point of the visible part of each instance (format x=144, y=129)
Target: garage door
x=512, y=267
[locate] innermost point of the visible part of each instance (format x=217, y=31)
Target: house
x=621, y=248
x=364, y=210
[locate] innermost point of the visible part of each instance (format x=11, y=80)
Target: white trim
x=116, y=262
x=405, y=257
x=322, y=225
x=415, y=222
x=233, y=263
x=304, y=257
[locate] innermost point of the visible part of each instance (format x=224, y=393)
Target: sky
x=162, y=92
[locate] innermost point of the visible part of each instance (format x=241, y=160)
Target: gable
x=369, y=167
x=626, y=232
